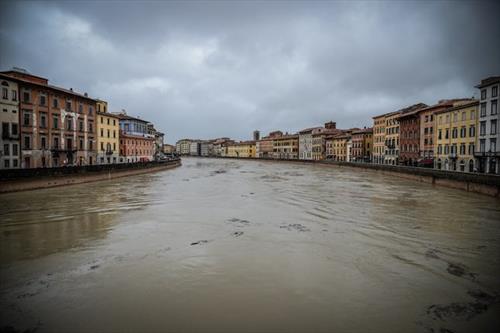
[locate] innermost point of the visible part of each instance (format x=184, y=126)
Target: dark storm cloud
x=208, y=69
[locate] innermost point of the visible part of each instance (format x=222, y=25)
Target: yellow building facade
x=456, y=133
x=242, y=149
x=108, y=135
x=391, y=153
x=378, y=146
x=339, y=147
x=286, y=146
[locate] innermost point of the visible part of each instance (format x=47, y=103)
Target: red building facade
x=135, y=148
x=56, y=124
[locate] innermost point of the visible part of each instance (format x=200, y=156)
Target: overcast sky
x=210, y=69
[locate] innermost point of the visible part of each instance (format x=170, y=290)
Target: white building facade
x=487, y=151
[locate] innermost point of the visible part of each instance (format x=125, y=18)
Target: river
x=234, y=245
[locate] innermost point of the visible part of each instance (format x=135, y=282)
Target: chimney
x=71, y=89
x=85, y=94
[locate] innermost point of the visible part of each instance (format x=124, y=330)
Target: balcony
x=109, y=152
x=63, y=150
x=453, y=156
x=487, y=153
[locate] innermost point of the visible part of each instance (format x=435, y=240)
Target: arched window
x=4, y=83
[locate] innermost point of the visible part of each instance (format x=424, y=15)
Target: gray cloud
x=209, y=69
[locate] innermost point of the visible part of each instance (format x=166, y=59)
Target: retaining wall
x=29, y=179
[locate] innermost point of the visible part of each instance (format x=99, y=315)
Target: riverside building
x=183, y=146
x=286, y=146
x=362, y=144
x=136, y=144
x=378, y=139
x=241, y=149
x=456, y=137
x=306, y=143
x=488, y=143
x=409, y=135
x=108, y=129
x=9, y=120
x=57, y=125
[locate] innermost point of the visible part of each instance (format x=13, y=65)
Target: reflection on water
x=225, y=245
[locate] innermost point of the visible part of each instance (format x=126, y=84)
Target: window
x=14, y=95
x=464, y=115
x=483, y=109
x=14, y=163
x=114, y=122
x=69, y=143
x=26, y=97
x=55, y=121
x=27, y=142
x=462, y=149
x=493, y=145
x=26, y=118
x=471, y=149
x=14, y=129
x=494, y=107
x=69, y=123
x=80, y=108
x=447, y=133
x=482, y=128
x=5, y=93
x=114, y=136
x=81, y=143
x=472, y=115
x=90, y=145
x=472, y=131
x=43, y=142
x=91, y=110
x=102, y=120
x=463, y=132
x=440, y=149
x=108, y=121
x=446, y=149
x=493, y=127
x=440, y=132
x=80, y=125
x=494, y=91
x=455, y=117
x=5, y=130
x=43, y=120
x=482, y=145
x=56, y=143
x=483, y=94
x=108, y=134
x=68, y=105
x=102, y=132
x=454, y=133
x=6, y=150
x=91, y=128
x=42, y=100
x=6, y=163
x=55, y=102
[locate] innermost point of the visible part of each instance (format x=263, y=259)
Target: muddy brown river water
x=232, y=245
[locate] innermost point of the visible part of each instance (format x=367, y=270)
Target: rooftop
x=488, y=81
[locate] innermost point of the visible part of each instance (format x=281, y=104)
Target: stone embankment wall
x=29, y=179
x=471, y=182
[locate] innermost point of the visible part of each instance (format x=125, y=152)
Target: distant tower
x=256, y=135
x=331, y=125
